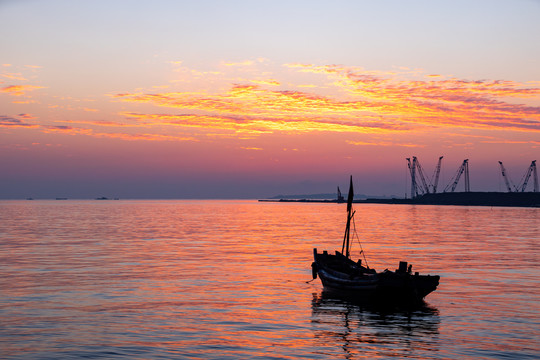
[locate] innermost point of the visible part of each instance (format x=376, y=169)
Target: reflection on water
x=365, y=329
x=227, y=280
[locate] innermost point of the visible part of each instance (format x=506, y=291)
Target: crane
x=535, y=186
x=412, y=169
x=425, y=187
x=524, y=181
x=437, y=172
x=464, y=168
x=523, y=184
x=506, y=178
x=467, y=182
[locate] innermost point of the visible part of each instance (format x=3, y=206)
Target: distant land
x=515, y=199
x=327, y=196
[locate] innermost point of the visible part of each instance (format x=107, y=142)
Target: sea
x=231, y=279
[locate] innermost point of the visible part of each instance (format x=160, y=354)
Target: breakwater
x=516, y=199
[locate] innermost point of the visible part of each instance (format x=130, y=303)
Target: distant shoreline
x=521, y=199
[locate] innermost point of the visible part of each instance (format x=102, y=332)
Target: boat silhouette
x=339, y=273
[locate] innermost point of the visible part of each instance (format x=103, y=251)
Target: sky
x=251, y=99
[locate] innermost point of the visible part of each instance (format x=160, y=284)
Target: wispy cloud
x=14, y=76
x=259, y=124
x=266, y=82
x=505, y=141
x=26, y=116
x=100, y=123
x=66, y=129
x=19, y=74
x=19, y=90
x=364, y=101
x=383, y=143
x=18, y=121
x=243, y=63
x=451, y=102
x=245, y=100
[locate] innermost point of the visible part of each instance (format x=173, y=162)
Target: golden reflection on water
x=228, y=279
x=366, y=330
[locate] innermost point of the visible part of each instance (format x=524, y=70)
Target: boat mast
x=346, y=238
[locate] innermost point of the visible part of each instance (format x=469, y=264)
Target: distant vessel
x=339, y=273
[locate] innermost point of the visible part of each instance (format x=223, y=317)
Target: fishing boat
x=340, y=273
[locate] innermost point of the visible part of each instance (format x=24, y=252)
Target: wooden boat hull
x=330, y=280
x=340, y=274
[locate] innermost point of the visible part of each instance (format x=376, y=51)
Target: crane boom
x=425, y=187
x=506, y=178
x=523, y=185
x=412, y=169
x=437, y=172
x=535, y=174
x=467, y=183
x=463, y=168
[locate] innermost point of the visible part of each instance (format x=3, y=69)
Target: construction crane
x=523, y=184
x=412, y=170
x=524, y=181
x=436, y=175
x=464, y=168
x=506, y=178
x=425, y=187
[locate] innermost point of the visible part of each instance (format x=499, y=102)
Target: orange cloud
x=382, y=143
x=14, y=76
x=266, y=82
x=23, y=102
x=19, y=121
x=26, y=116
x=390, y=108
x=19, y=90
x=261, y=124
x=243, y=63
x=338, y=99
x=99, y=123
x=504, y=141
x=146, y=137
x=123, y=136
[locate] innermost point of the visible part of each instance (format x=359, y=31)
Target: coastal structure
x=424, y=189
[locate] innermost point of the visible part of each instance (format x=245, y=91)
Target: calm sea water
x=227, y=280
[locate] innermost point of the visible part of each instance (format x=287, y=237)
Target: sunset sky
x=250, y=99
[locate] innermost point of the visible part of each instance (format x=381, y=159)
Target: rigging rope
x=359, y=243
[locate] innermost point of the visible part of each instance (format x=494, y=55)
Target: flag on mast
x=350, y=197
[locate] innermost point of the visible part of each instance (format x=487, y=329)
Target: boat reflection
x=357, y=329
